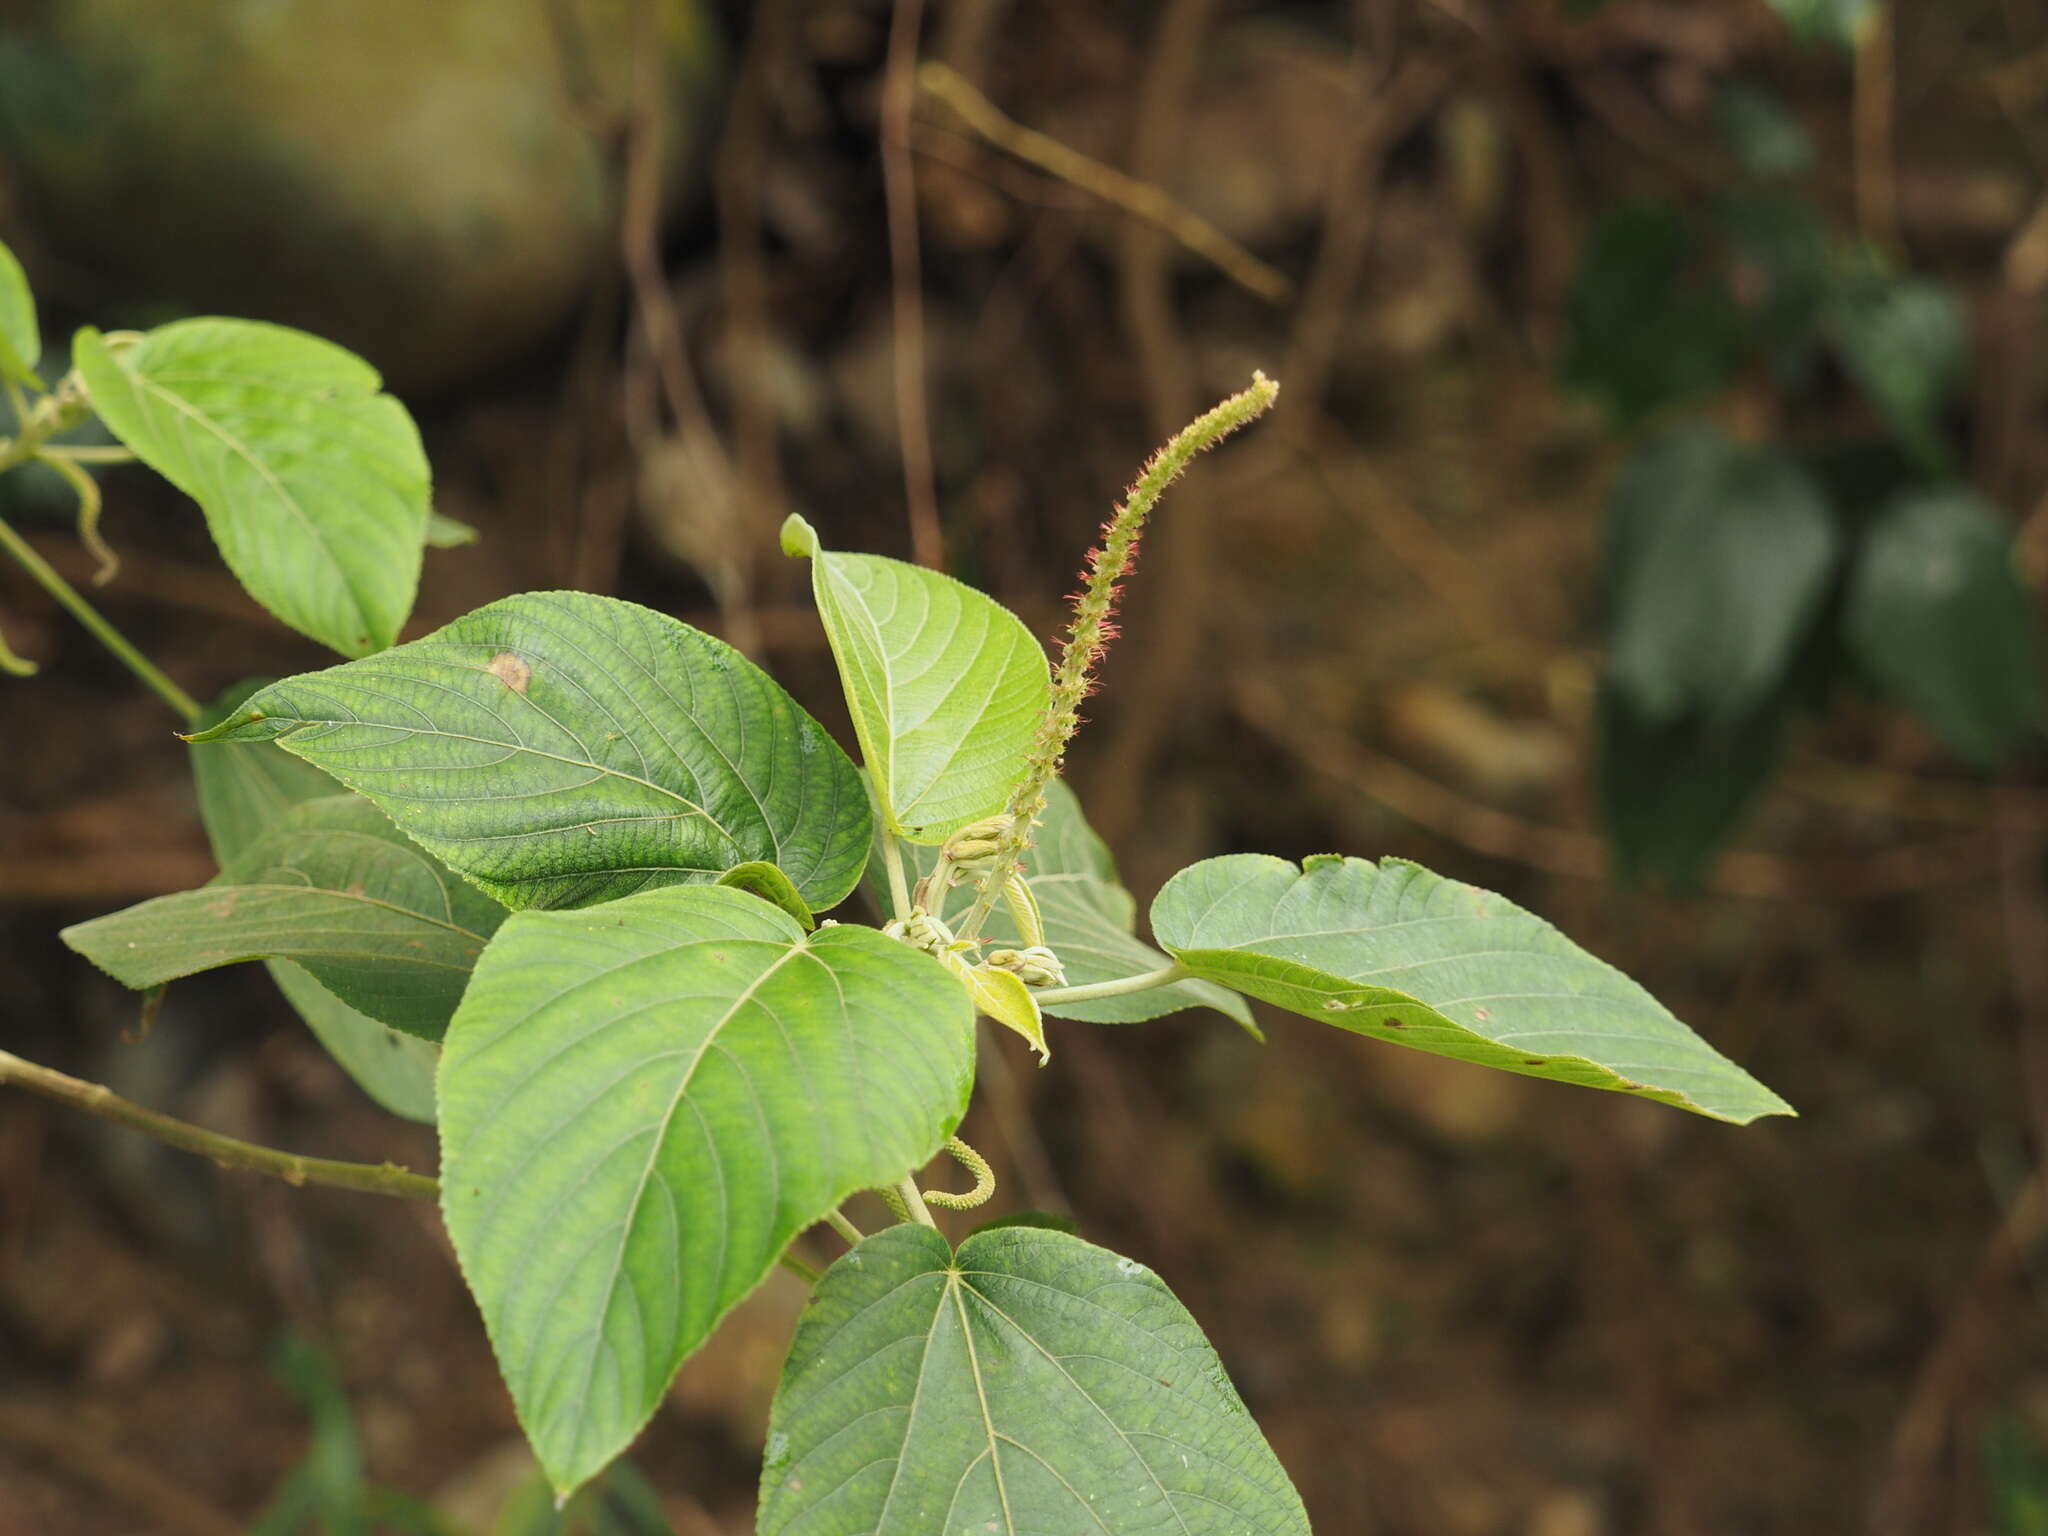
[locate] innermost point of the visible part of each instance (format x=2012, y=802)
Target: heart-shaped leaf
x=1396, y=953
x=1031, y=1384
x=334, y=887
x=246, y=793
x=561, y=749
x=313, y=483
x=1938, y=616
x=947, y=688
x=1090, y=921
x=642, y=1103
x=21, y=342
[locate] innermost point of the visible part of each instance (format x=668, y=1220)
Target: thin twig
x=1873, y=108
x=96, y=1099
x=899, y=187
x=1141, y=199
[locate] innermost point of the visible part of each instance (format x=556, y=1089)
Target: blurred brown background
x=635, y=269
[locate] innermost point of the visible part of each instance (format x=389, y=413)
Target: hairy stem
x=95, y=1099
x=798, y=1267
x=974, y=1163
x=837, y=1221
x=899, y=887
x=913, y=1202
x=1091, y=630
x=1165, y=976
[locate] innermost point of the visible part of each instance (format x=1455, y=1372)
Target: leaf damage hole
x=511, y=671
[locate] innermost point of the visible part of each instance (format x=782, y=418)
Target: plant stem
x=1092, y=628
x=108, y=636
x=837, y=1221
x=1165, y=976
x=899, y=887
x=95, y=1099
x=914, y=1202
x=798, y=1267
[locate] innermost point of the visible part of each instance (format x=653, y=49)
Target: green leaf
x=1906, y=344
x=335, y=887
x=1784, y=263
x=246, y=793
x=642, y=1103
x=21, y=343
x=1397, y=953
x=394, y=1068
x=947, y=688
x=444, y=532
x=1938, y=616
x=1719, y=559
x=1032, y=1385
x=1827, y=21
x=313, y=483
x=1672, y=793
x=1646, y=327
x=1761, y=130
x=621, y=1502
x=561, y=749
x=760, y=878
x=1090, y=921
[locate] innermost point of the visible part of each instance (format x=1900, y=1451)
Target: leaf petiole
x=1165, y=976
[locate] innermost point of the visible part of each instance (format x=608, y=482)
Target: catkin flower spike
x=1093, y=625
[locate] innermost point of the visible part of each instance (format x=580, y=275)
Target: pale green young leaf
x=947, y=688
x=1396, y=953
x=21, y=342
x=244, y=794
x=1032, y=1384
x=335, y=887
x=642, y=1103
x=314, y=484
x=445, y=532
x=561, y=749
x=1090, y=921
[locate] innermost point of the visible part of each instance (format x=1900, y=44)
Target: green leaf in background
x=1672, y=792
x=1757, y=125
x=1783, y=260
x=314, y=484
x=1938, y=617
x=760, y=878
x=619, y=1502
x=244, y=794
x=1827, y=21
x=1090, y=921
x=1032, y=1384
x=335, y=887
x=947, y=688
x=1906, y=344
x=21, y=342
x=444, y=532
x=642, y=1103
x=561, y=749
x=1396, y=953
x=1719, y=557
x=1645, y=327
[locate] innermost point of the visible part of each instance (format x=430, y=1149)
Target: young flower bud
x=1035, y=967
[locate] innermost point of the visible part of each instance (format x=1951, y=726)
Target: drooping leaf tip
x=799, y=538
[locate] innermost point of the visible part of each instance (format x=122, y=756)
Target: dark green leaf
x=643, y=1102
x=1043, y=1221
x=1906, y=344
x=947, y=688
x=759, y=878
x=1757, y=125
x=1090, y=921
x=1645, y=328
x=1938, y=617
x=1719, y=558
x=1032, y=1385
x=1827, y=21
x=1396, y=953
x=1672, y=793
x=561, y=749
x=21, y=343
x=334, y=887
x=313, y=483
x=246, y=793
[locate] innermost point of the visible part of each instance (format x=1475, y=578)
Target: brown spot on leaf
x=511, y=671
x=1534, y=1061
x=1482, y=1014
x=1392, y=1024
